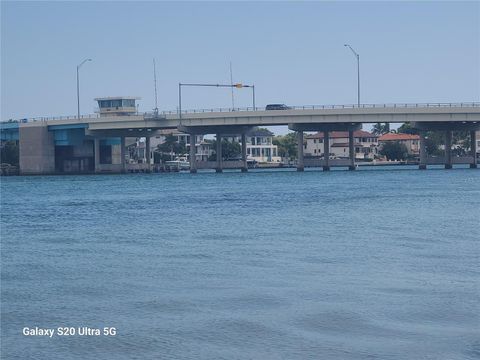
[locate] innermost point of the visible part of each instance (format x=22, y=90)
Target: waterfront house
x=365, y=143
x=411, y=142
x=259, y=145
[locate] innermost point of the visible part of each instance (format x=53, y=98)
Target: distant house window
x=314, y=141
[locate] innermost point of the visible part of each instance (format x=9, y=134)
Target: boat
x=180, y=163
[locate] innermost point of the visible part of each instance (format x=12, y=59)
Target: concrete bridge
x=40, y=138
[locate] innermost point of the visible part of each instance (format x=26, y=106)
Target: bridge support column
x=423, y=152
x=351, y=150
x=122, y=154
x=193, y=154
x=448, y=149
x=96, y=150
x=326, y=151
x=219, y=167
x=147, y=153
x=473, y=147
x=244, y=152
x=300, y=164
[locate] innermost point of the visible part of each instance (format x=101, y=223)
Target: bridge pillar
x=219, y=167
x=193, y=157
x=122, y=154
x=147, y=153
x=244, y=152
x=326, y=151
x=423, y=151
x=96, y=150
x=473, y=147
x=300, y=165
x=448, y=149
x=351, y=150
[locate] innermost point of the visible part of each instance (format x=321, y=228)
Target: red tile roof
x=341, y=134
x=393, y=137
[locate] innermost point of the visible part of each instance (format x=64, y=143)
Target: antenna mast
x=155, y=85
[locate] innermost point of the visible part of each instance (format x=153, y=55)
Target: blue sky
x=292, y=51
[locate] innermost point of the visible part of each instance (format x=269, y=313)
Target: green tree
x=287, y=145
x=462, y=141
x=435, y=139
x=406, y=128
x=171, y=146
x=394, y=150
x=230, y=150
x=380, y=129
x=9, y=153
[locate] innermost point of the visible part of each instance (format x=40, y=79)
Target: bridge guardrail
x=335, y=107
x=246, y=109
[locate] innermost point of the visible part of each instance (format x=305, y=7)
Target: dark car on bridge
x=277, y=107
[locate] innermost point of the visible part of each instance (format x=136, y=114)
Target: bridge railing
x=51, y=118
x=335, y=107
x=246, y=109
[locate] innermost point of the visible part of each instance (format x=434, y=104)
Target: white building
x=365, y=143
x=260, y=145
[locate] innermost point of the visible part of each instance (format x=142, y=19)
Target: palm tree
x=380, y=129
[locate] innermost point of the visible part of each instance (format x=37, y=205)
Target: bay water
x=368, y=264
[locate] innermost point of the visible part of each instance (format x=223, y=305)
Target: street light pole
x=253, y=92
x=78, y=87
x=358, y=72
x=180, y=100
